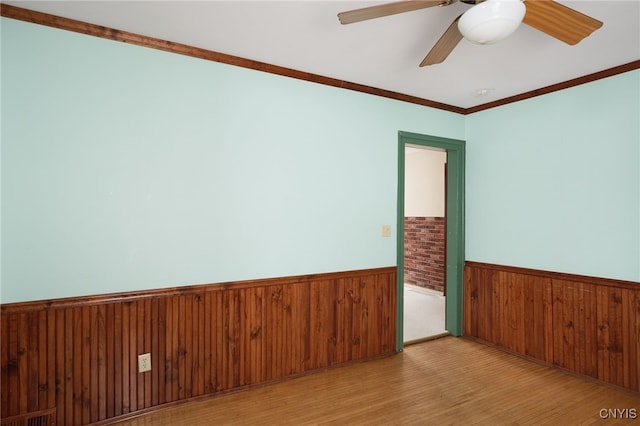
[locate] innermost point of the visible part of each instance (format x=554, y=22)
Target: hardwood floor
x=445, y=381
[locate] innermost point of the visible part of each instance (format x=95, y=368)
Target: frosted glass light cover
x=491, y=21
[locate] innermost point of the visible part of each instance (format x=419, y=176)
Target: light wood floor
x=440, y=382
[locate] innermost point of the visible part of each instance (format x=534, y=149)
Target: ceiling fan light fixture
x=491, y=20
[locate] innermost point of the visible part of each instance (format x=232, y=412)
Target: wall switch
x=144, y=363
x=386, y=230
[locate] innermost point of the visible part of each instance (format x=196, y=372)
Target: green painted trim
x=455, y=227
x=400, y=248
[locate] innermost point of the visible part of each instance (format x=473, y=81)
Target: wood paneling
x=79, y=355
x=587, y=325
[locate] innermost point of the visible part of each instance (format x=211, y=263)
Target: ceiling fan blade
x=387, y=9
x=559, y=21
x=444, y=46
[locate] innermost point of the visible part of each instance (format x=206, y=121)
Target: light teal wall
x=553, y=182
x=125, y=168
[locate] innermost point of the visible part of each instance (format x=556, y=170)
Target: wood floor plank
x=445, y=381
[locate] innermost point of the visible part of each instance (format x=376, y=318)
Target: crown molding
x=67, y=24
x=559, y=86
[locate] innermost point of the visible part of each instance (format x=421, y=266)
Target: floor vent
x=40, y=418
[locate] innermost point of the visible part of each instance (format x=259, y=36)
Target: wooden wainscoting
x=587, y=325
x=80, y=355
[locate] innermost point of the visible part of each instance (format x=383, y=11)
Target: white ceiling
x=382, y=53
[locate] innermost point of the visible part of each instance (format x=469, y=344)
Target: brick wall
x=424, y=252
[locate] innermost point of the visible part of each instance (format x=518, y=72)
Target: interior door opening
x=454, y=228
x=424, y=243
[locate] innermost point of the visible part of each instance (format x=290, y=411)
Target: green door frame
x=454, y=228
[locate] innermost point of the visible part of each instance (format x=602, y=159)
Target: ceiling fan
x=488, y=21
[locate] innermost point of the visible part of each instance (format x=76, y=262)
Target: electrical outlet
x=386, y=230
x=144, y=363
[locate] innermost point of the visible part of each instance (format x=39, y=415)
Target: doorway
x=454, y=205
x=424, y=243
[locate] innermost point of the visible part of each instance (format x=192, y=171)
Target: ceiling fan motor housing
x=488, y=21
x=491, y=21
